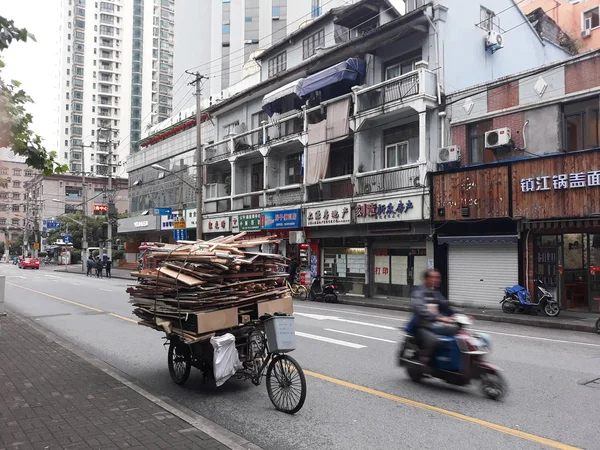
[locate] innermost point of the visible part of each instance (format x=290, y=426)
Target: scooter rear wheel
x=598, y=326
x=508, y=307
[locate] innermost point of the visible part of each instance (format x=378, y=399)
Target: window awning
x=271, y=101
x=498, y=239
x=352, y=70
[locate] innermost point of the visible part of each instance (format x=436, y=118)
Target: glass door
x=594, y=246
x=575, y=275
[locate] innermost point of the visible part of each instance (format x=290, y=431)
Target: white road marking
x=537, y=338
x=351, y=312
x=330, y=340
x=15, y=276
x=105, y=290
x=75, y=284
x=339, y=319
x=361, y=335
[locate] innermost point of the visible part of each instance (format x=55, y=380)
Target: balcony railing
x=248, y=201
x=216, y=205
x=417, y=82
x=285, y=195
x=331, y=189
x=388, y=179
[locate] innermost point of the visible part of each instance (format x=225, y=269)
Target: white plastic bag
x=226, y=361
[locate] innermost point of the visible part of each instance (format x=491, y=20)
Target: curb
x=487, y=318
x=118, y=277
x=201, y=423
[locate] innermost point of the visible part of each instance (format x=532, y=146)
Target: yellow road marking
x=357, y=387
x=57, y=298
x=406, y=401
x=128, y=319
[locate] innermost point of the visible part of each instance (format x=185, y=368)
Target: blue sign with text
x=163, y=211
x=180, y=235
x=53, y=224
x=67, y=239
x=290, y=218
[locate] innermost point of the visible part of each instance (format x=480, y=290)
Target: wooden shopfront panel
x=566, y=186
x=485, y=192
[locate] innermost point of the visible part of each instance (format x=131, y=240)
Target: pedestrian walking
x=90, y=266
x=99, y=267
x=108, y=267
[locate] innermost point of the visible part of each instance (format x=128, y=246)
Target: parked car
x=32, y=263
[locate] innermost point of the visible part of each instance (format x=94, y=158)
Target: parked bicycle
x=298, y=291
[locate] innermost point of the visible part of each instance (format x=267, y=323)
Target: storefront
x=396, y=238
x=215, y=226
x=338, y=251
x=139, y=229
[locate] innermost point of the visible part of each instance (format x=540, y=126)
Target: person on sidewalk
x=99, y=267
x=108, y=265
x=90, y=266
x=431, y=314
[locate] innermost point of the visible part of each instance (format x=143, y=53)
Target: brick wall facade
x=503, y=97
x=459, y=137
x=582, y=75
x=513, y=121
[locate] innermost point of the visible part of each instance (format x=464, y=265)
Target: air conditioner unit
x=497, y=138
x=297, y=237
x=448, y=154
x=586, y=33
x=494, y=41
x=215, y=190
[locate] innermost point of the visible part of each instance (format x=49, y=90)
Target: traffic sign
x=163, y=211
x=36, y=245
x=8, y=242
x=53, y=224
x=179, y=223
x=180, y=234
x=67, y=240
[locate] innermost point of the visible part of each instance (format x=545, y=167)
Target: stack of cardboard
x=205, y=286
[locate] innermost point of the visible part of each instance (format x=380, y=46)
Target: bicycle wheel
x=286, y=384
x=301, y=292
x=179, y=362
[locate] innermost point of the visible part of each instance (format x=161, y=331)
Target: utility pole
x=199, y=162
x=84, y=243
x=109, y=197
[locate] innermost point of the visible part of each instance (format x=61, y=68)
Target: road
x=357, y=397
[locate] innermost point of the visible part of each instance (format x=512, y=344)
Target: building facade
x=331, y=150
x=523, y=206
x=579, y=19
x=116, y=76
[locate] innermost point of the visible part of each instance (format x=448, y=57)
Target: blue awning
x=352, y=70
x=498, y=239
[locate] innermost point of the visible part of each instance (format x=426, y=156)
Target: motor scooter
x=327, y=293
x=518, y=299
x=457, y=359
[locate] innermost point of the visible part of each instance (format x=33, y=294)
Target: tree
x=93, y=224
x=15, y=122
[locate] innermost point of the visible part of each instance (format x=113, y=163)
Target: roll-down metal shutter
x=478, y=272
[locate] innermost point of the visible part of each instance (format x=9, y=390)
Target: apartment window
x=73, y=192
x=476, y=142
x=67, y=119
x=406, y=65
x=66, y=143
x=16, y=184
x=275, y=12
x=312, y=43
x=15, y=221
x=488, y=20
x=16, y=172
x=16, y=196
x=226, y=28
x=581, y=125
x=315, y=10
x=15, y=208
x=248, y=19
x=28, y=172
x=293, y=168
x=591, y=18
x=401, y=145
x=277, y=64
x=2, y=219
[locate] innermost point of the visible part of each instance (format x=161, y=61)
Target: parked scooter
x=598, y=326
x=327, y=293
x=457, y=360
x=518, y=299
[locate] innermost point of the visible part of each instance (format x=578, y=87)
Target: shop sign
x=561, y=181
x=291, y=218
x=245, y=222
x=216, y=225
x=167, y=221
x=190, y=218
x=179, y=223
x=180, y=234
x=330, y=215
x=140, y=224
x=389, y=210
x=137, y=224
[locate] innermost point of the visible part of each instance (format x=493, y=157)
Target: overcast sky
x=34, y=63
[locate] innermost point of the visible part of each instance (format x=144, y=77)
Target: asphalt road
x=357, y=397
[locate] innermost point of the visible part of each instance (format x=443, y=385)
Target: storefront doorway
x=569, y=266
x=397, y=270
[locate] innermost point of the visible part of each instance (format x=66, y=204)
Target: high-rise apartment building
x=116, y=76
x=219, y=37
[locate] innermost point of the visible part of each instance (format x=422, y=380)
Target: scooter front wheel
x=493, y=385
x=598, y=326
x=551, y=309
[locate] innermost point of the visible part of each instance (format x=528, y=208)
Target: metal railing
x=331, y=189
x=388, y=179
x=285, y=195
x=398, y=88
x=217, y=205
x=250, y=200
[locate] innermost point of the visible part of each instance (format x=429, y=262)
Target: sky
x=34, y=63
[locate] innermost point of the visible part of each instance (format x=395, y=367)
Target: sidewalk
x=53, y=399
x=567, y=320
x=122, y=274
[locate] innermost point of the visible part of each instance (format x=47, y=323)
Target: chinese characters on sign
x=291, y=218
x=167, y=222
x=180, y=234
x=216, y=225
x=333, y=215
x=389, y=210
x=561, y=182
x=381, y=269
x=249, y=222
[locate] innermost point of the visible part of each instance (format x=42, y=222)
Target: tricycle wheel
x=180, y=362
x=286, y=384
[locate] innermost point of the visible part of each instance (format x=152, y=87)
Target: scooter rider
x=431, y=314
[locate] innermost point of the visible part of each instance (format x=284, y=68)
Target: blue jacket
x=422, y=316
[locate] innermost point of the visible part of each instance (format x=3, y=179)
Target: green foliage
x=117, y=254
x=42, y=254
x=15, y=121
x=75, y=255
x=93, y=223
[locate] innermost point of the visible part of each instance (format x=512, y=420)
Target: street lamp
x=84, y=231
x=198, y=190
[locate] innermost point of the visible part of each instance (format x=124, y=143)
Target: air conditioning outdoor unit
x=586, y=33
x=494, y=41
x=448, y=154
x=297, y=237
x=497, y=138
